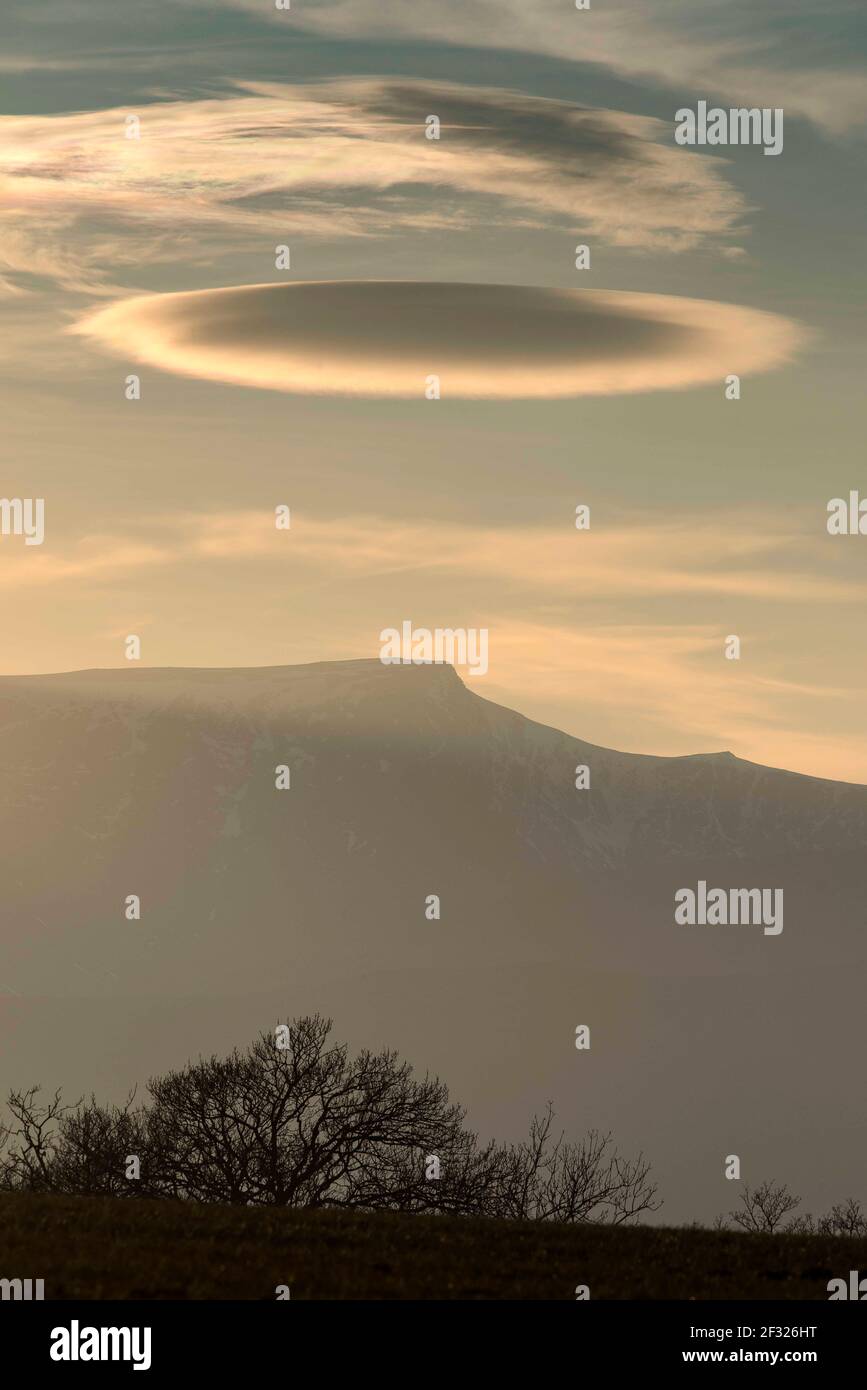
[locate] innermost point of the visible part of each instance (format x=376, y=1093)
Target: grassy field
x=95, y=1248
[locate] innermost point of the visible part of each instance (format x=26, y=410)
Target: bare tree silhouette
x=844, y=1219
x=551, y=1179
x=765, y=1207
x=304, y=1124
x=30, y=1144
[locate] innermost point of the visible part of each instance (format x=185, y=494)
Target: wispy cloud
x=730, y=556
x=808, y=58
x=803, y=57
x=84, y=204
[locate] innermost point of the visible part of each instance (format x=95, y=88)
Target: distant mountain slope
x=403, y=783
x=557, y=908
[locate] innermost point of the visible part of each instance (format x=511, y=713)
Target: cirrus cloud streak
x=341, y=159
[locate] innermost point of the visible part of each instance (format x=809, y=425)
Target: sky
x=155, y=158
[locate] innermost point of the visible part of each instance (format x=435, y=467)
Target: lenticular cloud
x=388, y=338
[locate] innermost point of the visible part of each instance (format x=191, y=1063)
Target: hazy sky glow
x=305, y=386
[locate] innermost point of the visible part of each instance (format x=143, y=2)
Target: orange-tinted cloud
x=342, y=158
x=731, y=555
x=386, y=338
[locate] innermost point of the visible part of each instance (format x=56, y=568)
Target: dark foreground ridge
x=122, y=1248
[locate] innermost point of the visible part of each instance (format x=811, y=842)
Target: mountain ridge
x=443, y=672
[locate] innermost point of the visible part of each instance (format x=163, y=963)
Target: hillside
x=99, y=1248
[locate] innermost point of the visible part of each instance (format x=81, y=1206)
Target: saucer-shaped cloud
x=386, y=338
